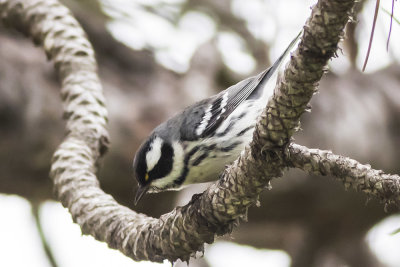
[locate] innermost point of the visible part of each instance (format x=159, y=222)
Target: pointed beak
x=140, y=192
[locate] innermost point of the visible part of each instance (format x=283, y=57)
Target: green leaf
x=397, y=231
x=389, y=13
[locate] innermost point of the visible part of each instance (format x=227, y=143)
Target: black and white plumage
x=195, y=145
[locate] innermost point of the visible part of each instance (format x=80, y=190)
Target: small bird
x=195, y=145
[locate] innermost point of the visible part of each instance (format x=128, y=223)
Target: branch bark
x=182, y=232
x=361, y=177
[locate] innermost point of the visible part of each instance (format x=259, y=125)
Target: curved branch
x=182, y=232
x=361, y=177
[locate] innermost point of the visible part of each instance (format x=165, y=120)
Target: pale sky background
x=276, y=22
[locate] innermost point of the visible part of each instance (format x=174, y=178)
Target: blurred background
x=158, y=56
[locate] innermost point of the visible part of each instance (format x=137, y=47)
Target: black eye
x=164, y=164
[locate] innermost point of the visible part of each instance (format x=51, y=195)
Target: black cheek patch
x=164, y=164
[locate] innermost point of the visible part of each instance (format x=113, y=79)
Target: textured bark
x=182, y=232
x=361, y=177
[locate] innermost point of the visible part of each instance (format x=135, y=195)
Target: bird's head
x=156, y=165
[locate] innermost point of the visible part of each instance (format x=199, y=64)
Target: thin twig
x=372, y=33
x=390, y=28
x=45, y=245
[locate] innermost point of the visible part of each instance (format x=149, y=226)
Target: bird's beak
x=140, y=192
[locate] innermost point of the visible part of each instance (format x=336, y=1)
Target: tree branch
x=361, y=177
x=182, y=232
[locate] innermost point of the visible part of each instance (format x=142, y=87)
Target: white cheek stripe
x=204, y=122
x=154, y=154
x=176, y=169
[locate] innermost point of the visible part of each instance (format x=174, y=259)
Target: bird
x=195, y=145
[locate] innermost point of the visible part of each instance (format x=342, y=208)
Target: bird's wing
x=208, y=114
x=228, y=100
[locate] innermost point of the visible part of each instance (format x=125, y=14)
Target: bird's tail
x=281, y=59
x=269, y=77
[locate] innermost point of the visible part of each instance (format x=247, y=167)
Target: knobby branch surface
x=360, y=177
x=183, y=231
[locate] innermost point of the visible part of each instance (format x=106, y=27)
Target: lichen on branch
x=360, y=177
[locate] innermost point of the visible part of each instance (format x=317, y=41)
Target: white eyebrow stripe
x=154, y=154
